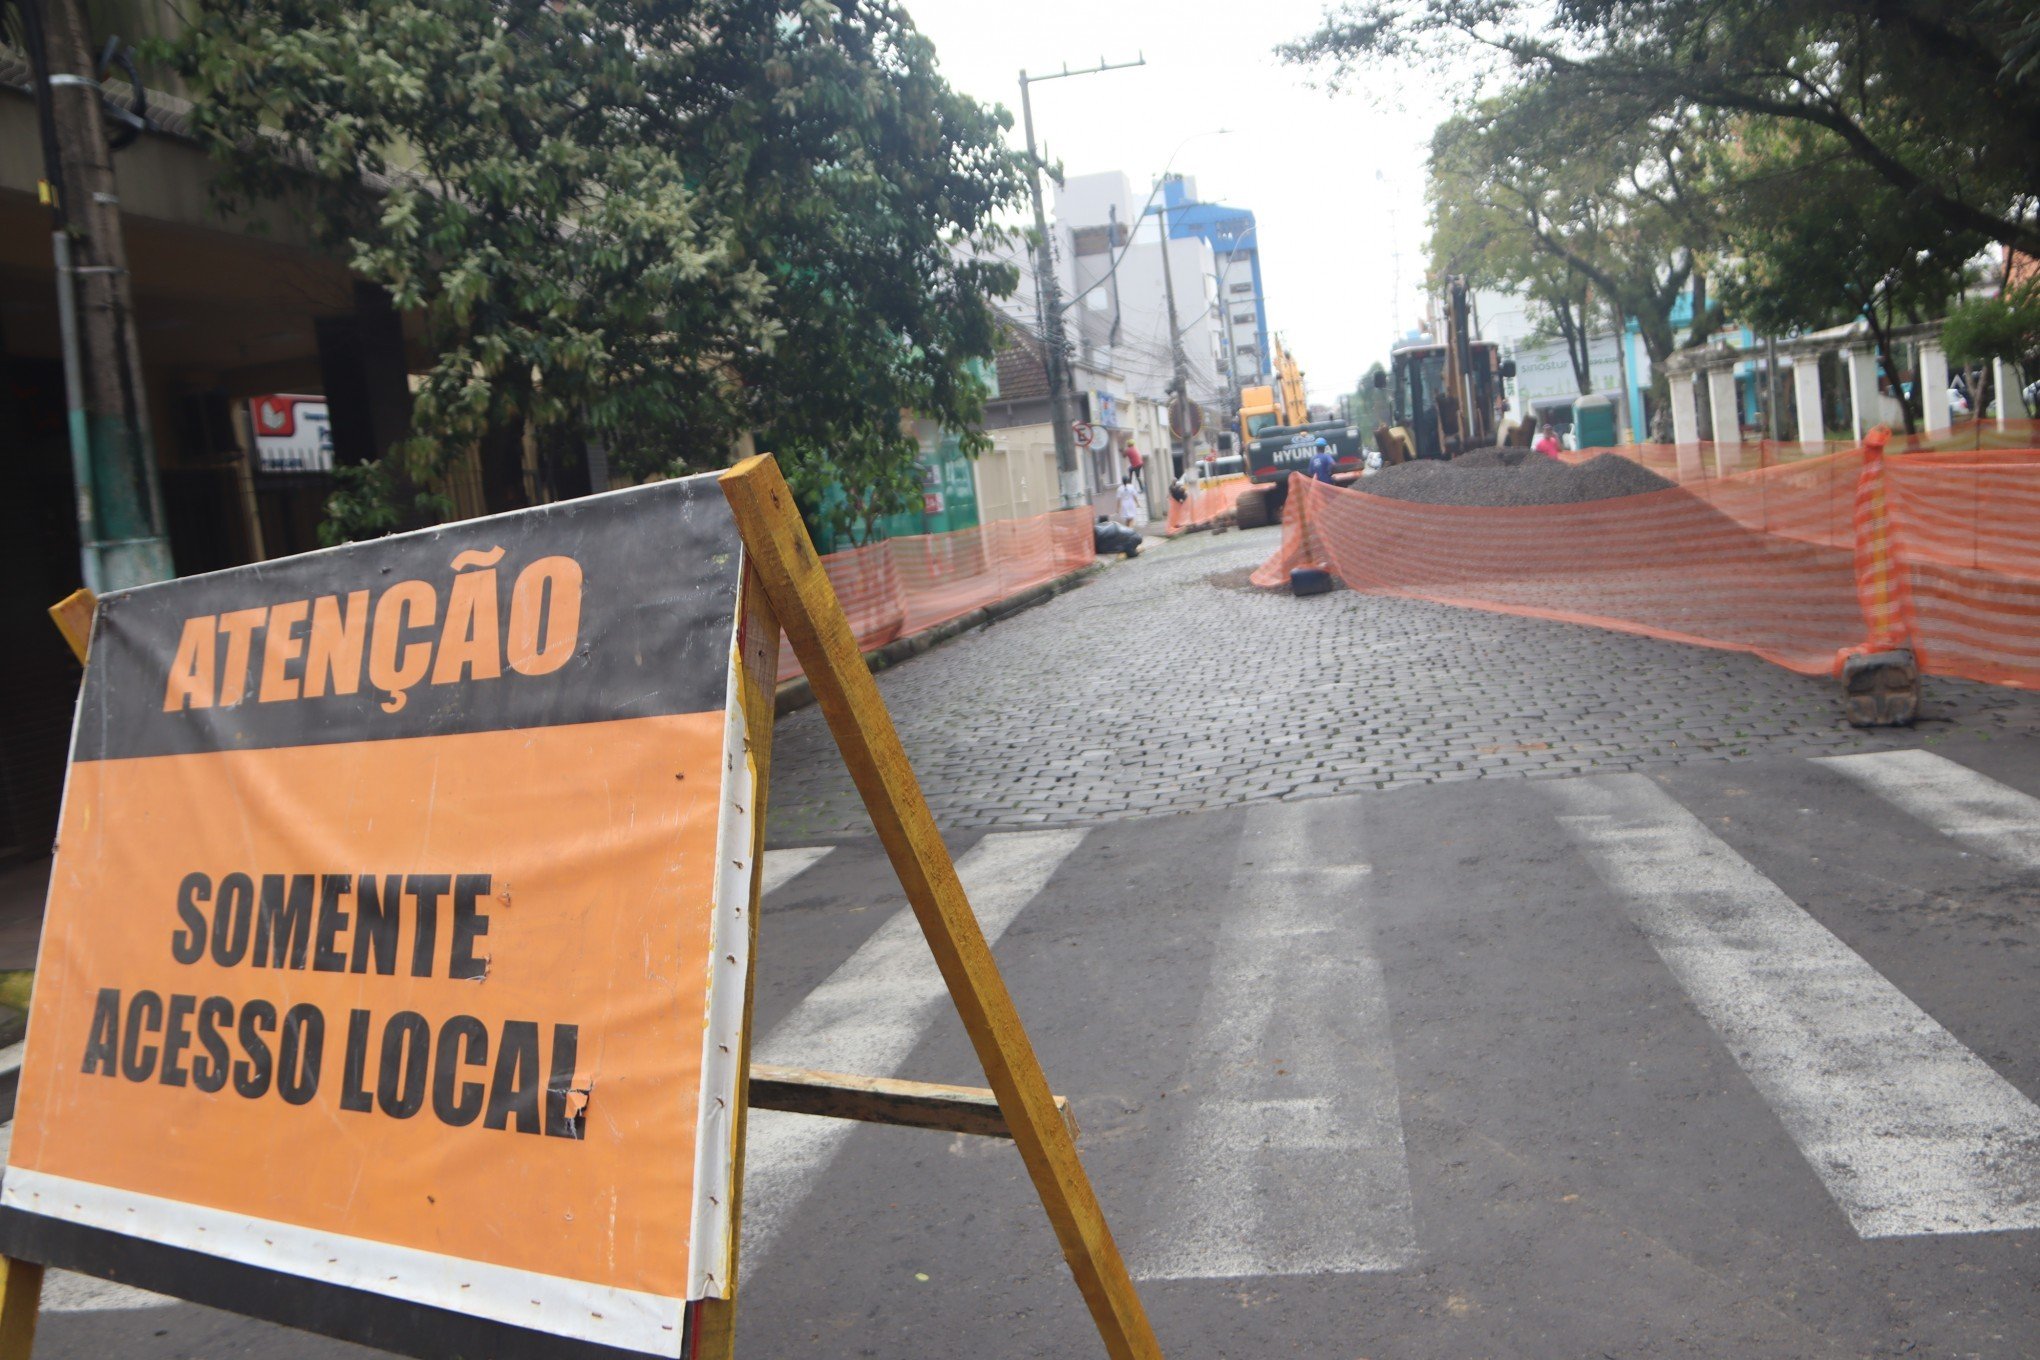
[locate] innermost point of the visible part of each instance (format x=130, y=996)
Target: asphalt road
x=1718, y=1058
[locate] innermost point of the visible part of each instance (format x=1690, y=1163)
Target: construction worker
x=1322, y=462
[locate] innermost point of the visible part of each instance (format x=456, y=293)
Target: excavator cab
x=1447, y=394
x=1431, y=419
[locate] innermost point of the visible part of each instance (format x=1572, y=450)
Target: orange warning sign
x=391, y=980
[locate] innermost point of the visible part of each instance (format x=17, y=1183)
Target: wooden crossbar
x=886, y=1100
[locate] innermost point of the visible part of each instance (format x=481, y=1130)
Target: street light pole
x=1048, y=294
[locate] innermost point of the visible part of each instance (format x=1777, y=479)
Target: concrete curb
x=797, y=693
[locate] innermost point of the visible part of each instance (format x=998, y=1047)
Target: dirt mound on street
x=1240, y=578
x=1473, y=480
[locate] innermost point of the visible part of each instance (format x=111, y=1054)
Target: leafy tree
x=1615, y=204
x=1370, y=405
x=1939, y=100
x=658, y=223
x=1822, y=240
x=2004, y=327
x=1492, y=247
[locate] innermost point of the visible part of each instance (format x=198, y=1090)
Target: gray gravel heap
x=1473, y=479
x=1498, y=455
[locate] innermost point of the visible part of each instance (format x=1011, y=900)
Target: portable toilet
x=1593, y=423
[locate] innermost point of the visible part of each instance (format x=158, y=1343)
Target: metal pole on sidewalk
x=120, y=503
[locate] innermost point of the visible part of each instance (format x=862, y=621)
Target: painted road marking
x=64, y=1292
x=866, y=1017
x=783, y=866
x=1970, y=808
x=1910, y=1131
x=1292, y=1163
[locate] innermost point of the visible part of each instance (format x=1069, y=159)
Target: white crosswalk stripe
x=783, y=866
x=1969, y=808
x=1910, y=1131
x=866, y=1017
x=1292, y=1162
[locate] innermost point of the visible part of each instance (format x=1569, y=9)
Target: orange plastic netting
x=1206, y=502
x=899, y=586
x=1801, y=557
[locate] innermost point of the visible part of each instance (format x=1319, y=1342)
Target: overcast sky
x=1306, y=162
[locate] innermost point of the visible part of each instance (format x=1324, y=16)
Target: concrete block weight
x=1881, y=689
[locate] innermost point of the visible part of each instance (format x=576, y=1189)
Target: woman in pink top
x=1547, y=442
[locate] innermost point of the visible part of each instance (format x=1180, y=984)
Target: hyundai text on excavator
x=1279, y=437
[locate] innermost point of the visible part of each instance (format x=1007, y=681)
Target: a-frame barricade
x=781, y=585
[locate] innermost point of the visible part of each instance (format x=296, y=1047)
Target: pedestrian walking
x=1130, y=511
x=1547, y=442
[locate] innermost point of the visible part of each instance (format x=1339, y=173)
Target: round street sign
x=1186, y=417
x=1082, y=430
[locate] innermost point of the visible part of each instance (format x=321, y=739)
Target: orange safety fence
x=1804, y=561
x=1207, y=501
x=1684, y=463
x=898, y=587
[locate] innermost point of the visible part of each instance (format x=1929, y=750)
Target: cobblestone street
x=1169, y=684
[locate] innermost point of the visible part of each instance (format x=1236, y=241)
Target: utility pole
x=1048, y=294
x=1181, y=422
x=120, y=505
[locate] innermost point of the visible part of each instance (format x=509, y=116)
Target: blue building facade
x=1236, y=252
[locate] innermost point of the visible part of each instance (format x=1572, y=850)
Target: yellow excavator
x=1262, y=408
x=1278, y=437
x=1446, y=397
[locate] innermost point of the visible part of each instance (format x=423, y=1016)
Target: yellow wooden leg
x=20, y=1299
x=778, y=549
x=73, y=617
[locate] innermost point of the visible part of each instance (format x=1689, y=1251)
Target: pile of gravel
x=1482, y=478
x=1499, y=455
